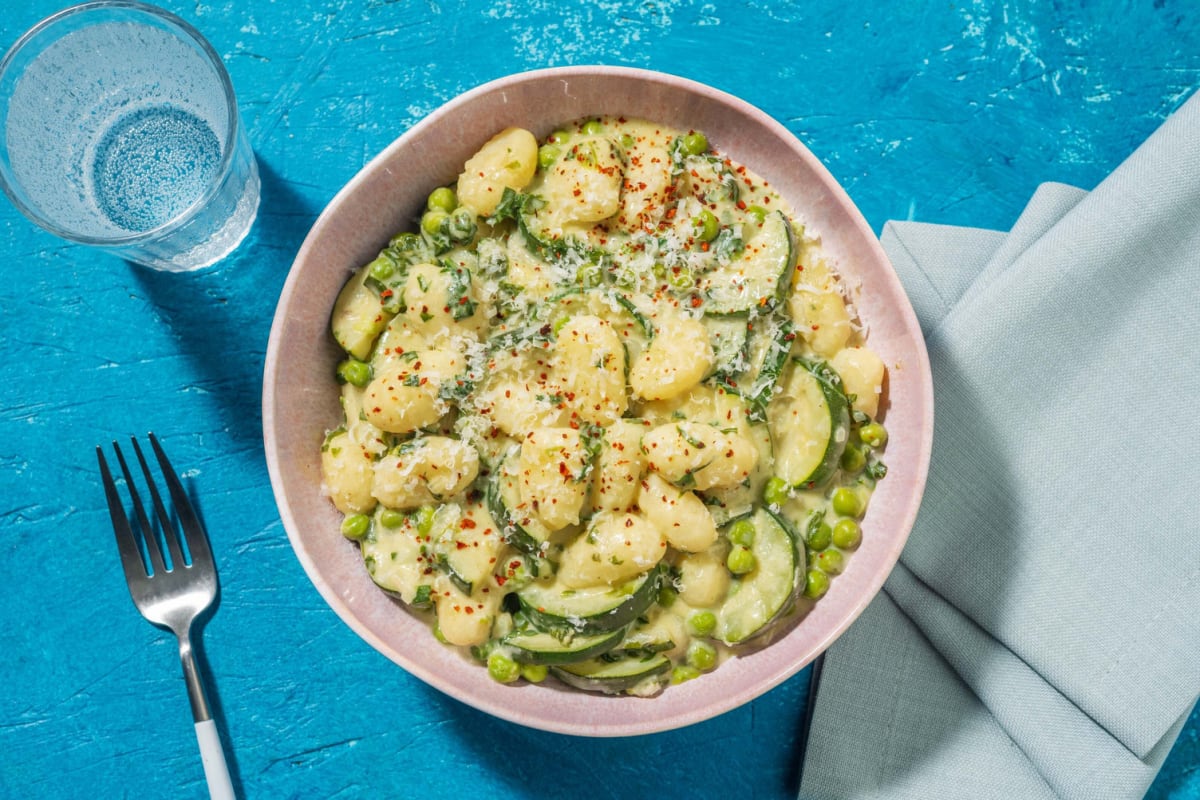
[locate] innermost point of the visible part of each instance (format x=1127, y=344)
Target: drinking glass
x=119, y=129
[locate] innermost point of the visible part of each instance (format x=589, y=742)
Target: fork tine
x=131, y=555
x=193, y=531
x=151, y=541
x=164, y=519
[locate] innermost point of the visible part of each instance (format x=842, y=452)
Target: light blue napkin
x=1040, y=637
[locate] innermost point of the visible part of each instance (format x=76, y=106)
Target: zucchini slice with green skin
x=593, y=610
x=810, y=424
x=612, y=677
x=540, y=647
x=761, y=596
x=467, y=553
x=520, y=529
x=759, y=277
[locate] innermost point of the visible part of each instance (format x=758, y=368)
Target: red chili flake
x=461, y=545
x=501, y=580
x=466, y=522
x=386, y=293
x=629, y=524
x=816, y=327
x=469, y=610
x=696, y=301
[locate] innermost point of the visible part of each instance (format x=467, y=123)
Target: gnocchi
x=602, y=409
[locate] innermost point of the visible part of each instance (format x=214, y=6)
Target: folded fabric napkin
x=1040, y=636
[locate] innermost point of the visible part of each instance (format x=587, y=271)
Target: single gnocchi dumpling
x=507, y=161
x=616, y=480
x=703, y=577
x=426, y=470
x=346, y=473
x=677, y=450
x=404, y=397
x=862, y=373
x=677, y=359
x=817, y=306
x=584, y=185
x=554, y=475
x=615, y=547
x=679, y=514
x=648, y=188
x=734, y=459
x=440, y=302
x=463, y=619
x=589, y=366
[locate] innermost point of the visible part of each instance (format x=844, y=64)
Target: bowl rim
x=725, y=702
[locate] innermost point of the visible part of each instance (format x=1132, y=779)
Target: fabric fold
x=1053, y=570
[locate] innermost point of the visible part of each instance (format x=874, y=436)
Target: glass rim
x=229, y=146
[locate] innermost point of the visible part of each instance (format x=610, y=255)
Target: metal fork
x=171, y=593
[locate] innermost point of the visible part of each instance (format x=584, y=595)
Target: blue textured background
x=943, y=112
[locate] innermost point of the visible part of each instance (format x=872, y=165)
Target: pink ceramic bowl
x=300, y=403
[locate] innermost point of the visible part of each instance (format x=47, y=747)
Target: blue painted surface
x=942, y=112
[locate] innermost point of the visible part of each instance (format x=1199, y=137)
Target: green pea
x=442, y=199
x=627, y=141
x=702, y=656
x=816, y=584
x=831, y=562
x=873, y=434
x=425, y=520
x=391, y=518
x=382, y=268
x=742, y=532
x=354, y=372
x=853, y=459
x=559, y=137
x=501, y=668
x=846, y=502
x=592, y=127
x=775, y=493
x=693, y=144
x=355, y=526
x=758, y=213
x=820, y=536
x=740, y=560
x=702, y=623
x=547, y=155
x=706, y=225
x=847, y=534
x=684, y=672
x=534, y=673
x=666, y=596
x=432, y=221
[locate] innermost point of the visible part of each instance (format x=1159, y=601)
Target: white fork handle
x=220, y=787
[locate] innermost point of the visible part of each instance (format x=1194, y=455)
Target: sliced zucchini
x=759, y=276
x=518, y=525
x=758, y=598
x=549, y=604
x=358, y=315
x=810, y=424
x=613, y=677
x=531, y=646
x=468, y=544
